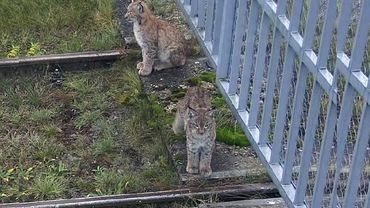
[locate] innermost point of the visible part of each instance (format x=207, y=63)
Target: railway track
x=223, y=193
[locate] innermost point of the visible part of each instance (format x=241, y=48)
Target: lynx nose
x=201, y=130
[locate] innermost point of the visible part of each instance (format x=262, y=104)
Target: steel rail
x=234, y=192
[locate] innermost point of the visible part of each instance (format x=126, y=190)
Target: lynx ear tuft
x=140, y=8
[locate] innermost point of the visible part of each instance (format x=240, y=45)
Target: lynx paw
x=206, y=172
x=159, y=67
x=140, y=66
x=143, y=72
x=192, y=170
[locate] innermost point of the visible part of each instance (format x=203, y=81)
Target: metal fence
x=295, y=74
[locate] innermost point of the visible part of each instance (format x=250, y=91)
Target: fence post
x=226, y=38
x=218, y=16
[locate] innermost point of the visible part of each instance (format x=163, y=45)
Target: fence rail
x=295, y=75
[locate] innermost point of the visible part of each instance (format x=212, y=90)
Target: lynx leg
x=193, y=163
x=205, y=164
x=178, y=124
x=148, y=61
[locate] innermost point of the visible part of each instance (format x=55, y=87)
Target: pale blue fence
x=295, y=74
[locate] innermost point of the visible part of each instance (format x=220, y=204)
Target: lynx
x=195, y=116
x=163, y=46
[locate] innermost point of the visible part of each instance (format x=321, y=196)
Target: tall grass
x=58, y=26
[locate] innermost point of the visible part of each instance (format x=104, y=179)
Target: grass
x=82, y=139
x=52, y=26
x=48, y=187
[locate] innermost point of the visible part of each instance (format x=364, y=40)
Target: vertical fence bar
x=226, y=39
x=217, y=26
x=283, y=105
x=271, y=81
x=327, y=34
x=325, y=155
x=285, y=86
x=309, y=138
x=194, y=8
x=296, y=15
x=342, y=28
x=342, y=132
x=345, y=114
x=259, y=69
x=295, y=123
x=209, y=20
x=248, y=57
x=201, y=14
x=310, y=27
x=359, y=45
x=358, y=158
x=236, y=54
x=332, y=109
x=281, y=7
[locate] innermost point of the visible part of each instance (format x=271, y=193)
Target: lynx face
x=136, y=11
x=200, y=121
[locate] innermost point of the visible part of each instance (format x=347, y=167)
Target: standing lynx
x=195, y=116
x=157, y=39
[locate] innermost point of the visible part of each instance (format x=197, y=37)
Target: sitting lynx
x=157, y=39
x=195, y=116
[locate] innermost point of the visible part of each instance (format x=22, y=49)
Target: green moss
x=218, y=102
x=231, y=137
x=194, y=81
x=208, y=76
x=178, y=93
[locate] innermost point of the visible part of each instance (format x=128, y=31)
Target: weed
x=50, y=130
x=104, y=146
x=159, y=173
x=105, y=128
x=14, y=117
x=132, y=90
x=109, y=182
x=87, y=118
x=48, y=186
x=42, y=115
x=13, y=97
x=100, y=102
x=58, y=170
x=82, y=85
x=35, y=49
x=44, y=149
x=14, y=52
x=35, y=95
